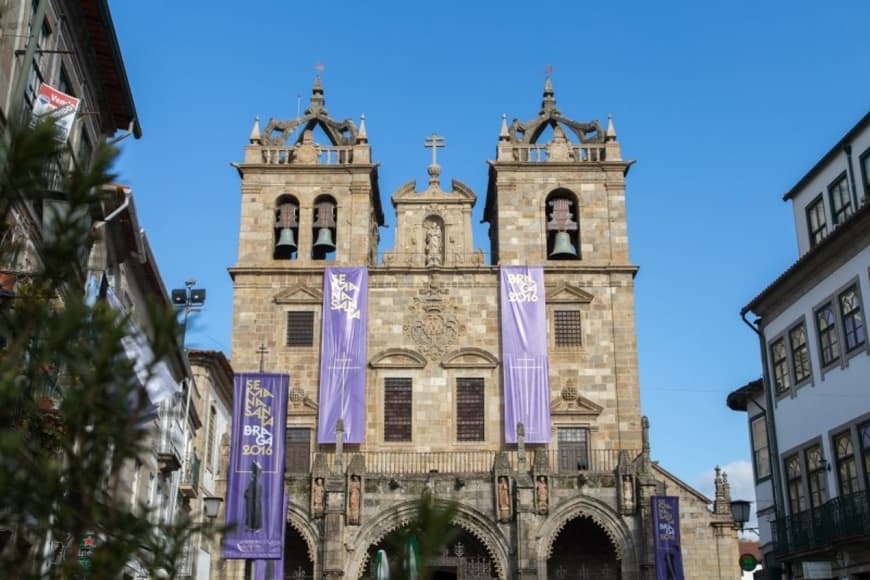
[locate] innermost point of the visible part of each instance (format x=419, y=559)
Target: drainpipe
x=770, y=415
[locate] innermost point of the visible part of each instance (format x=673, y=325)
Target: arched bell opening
x=583, y=551
x=286, y=233
x=464, y=557
x=563, y=228
x=324, y=228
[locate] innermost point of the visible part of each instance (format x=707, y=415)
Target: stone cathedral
x=576, y=505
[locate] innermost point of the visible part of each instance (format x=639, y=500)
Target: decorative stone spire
x=361, y=135
x=549, y=102
x=610, y=135
x=646, y=460
x=318, y=102
x=255, y=131
x=504, y=135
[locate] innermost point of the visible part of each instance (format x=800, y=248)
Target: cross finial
x=318, y=68
x=434, y=141
x=262, y=350
x=549, y=70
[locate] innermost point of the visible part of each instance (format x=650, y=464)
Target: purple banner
x=255, y=494
x=272, y=569
x=524, y=353
x=666, y=537
x=343, y=354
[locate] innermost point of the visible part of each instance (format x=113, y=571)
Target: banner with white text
x=343, y=354
x=255, y=493
x=524, y=353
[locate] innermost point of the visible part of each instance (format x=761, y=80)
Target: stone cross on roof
x=434, y=141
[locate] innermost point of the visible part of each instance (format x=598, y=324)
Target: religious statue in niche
x=627, y=493
x=504, y=505
x=353, y=509
x=543, y=494
x=434, y=244
x=317, y=493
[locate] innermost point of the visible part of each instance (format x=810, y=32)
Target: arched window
x=324, y=230
x=286, y=228
x=563, y=229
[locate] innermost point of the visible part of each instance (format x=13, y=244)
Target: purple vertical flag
x=524, y=353
x=255, y=496
x=272, y=569
x=666, y=537
x=343, y=354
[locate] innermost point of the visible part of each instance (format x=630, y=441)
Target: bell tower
x=561, y=202
x=309, y=192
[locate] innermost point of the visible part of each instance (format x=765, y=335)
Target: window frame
x=573, y=458
x=864, y=163
x=392, y=409
x=297, y=454
x=574, y=336
x=845, y=460
x=480, y=422
x=779, y=366
x=796, y=499
x=817, y=475
x=832, y=331
x=856, y=312
x=795, y=351
x=756, y=451
x=838, y=191
x=817, y=232
x=313, y=331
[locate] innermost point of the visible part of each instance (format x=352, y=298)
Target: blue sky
x=723, y=105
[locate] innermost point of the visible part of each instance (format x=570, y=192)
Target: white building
x=809, y=417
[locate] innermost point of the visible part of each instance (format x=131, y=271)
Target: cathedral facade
x=569, y=499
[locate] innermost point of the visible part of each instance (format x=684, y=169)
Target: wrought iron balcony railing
x=839, y=519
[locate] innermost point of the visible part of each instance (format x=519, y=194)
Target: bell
x=562, y=247
x=286, y=240
x=324, y=241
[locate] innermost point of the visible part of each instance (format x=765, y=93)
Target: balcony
x=189, y=483
x=841, y=519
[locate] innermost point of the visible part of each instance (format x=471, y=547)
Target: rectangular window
x=864, y=438
x=865, y=174
x=300, y=328
x=397, y=409
x=847, y=473
x=469, y=409
x=853, y=319
x=573, y=446
x=209, y=443
x=800, y=354
x=817, y=476
x=796, y=501
x=816, y=221
x=779, y=359
x=841, y=201
x=760, y=455
x=827, y=325
x=567, y=327
x=64, y=84
x=297, y=452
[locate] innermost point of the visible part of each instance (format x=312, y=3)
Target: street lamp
x=189, y=299
x=740, y=511
x=211, y=505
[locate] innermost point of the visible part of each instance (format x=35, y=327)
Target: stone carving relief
x=431, y=321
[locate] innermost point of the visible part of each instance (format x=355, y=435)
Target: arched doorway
x=464, y=558
x=297, y=564
x=582, y=551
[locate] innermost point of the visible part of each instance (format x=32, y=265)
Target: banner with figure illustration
x=343, y=354
x=256, y=511
x=524, y=353
x=666, y=537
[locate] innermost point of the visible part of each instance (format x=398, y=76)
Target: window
x=297, y=451
x=853, y=320
x=209, y=443
x=573, y=445
x=841, y=201
x=864, y=438
x=800, y=355
x=816, y=221
x=779, y=359
x=817, y=475
x=847, y=474
x=567, y=327
x=865, y=173
x=397, y=409
x=827, y=326
x=64, y=84
x=796, y=501
x=469, y=409
x=300, y=328
x=760, y=455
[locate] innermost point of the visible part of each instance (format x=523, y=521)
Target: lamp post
x=211, y=505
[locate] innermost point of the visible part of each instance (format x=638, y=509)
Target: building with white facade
x=809, y=416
